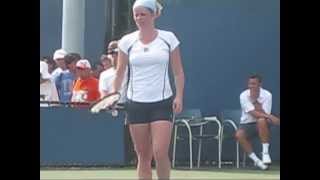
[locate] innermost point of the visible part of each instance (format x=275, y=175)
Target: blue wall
x=75, y=136
x=50, y=26
x=95, y=29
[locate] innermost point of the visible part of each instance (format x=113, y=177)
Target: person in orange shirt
x=86, y=87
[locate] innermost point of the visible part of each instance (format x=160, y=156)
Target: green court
x=130, y=173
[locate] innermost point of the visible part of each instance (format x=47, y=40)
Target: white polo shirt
x=49, y=92
x=106, y=81
x=265, y=98
x=149, y=65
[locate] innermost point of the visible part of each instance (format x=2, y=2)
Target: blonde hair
x=159, y=8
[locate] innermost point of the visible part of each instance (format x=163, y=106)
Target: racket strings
x=106, y=103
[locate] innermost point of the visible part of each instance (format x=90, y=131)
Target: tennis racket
x=107, y=103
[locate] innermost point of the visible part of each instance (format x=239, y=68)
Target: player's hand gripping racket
x=108, y=103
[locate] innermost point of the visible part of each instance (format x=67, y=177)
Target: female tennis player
x=149, y=53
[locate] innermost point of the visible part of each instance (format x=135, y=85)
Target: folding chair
x=190, y=119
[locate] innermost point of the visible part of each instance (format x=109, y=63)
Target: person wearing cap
x=111, y=55
x=107, y=76
x=85, y=88
x=149, y=53
x=58, y=57
x=112, y=52
x=112, y=47
x=62, y=77
x=48, y=91
x=65, y=79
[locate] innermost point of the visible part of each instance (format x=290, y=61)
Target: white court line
x=85, y=179
x=125, y=178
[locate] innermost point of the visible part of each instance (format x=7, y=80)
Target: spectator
x=112, y=47
x=256, y=104
x=52, y=65
x=48, y=91
x=71, y=60
x=58, y=57
x=86, y=86
x=107, y=76
x=106, y=79
x=66, y=79
x=97, y=70
x=105, y=61
x=61, y=76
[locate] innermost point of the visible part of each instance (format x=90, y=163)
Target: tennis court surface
x=249, y=173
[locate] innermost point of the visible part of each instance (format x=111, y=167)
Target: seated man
x=86, y=86
x=48, y=90
x=256, y=105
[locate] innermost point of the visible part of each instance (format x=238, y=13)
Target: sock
x=265, y=148
x=253, y=157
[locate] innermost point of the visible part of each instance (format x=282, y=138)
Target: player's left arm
x=178, y=72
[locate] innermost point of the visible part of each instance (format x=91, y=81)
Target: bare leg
x=243, y=140
x=141, y=137
x=263, y=129
x=161, y=137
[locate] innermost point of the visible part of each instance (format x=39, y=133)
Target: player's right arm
x=120, y=71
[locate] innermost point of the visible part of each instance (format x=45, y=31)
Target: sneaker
x=266, y=158
x=261, y=165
